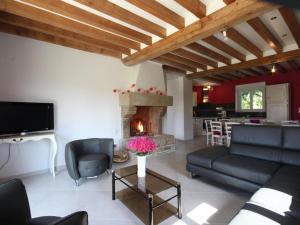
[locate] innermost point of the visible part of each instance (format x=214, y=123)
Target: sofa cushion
x=205, y=157
x=291, y=146
x=286, y=180
x=92, y=164
x=250, y=169
x=257, y=151
x=269, y=136
x=276, y=201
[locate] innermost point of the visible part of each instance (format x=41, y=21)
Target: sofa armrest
x=107, y=147
x=14, y=205
x=77, y=218
x=71, y=161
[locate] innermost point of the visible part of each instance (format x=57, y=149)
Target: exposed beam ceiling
x=194, y=6
x=213, y=80
x=229, y=16
x=120, y=13
x=58, y=32
x=166, y=61
x=90, y=18
x=280, y=68
x=280, y=57
x=210, y=53
x=263, y=69
x=213, y=41
x=237, y=37
x=228, y=1
x=173, y=69
x=253, y=72
x=36, y=14
x=265, y=33
x=292, y=22
x=184, y=61
x=160, y=11
x=195, y=57
x=11, y=29
x=293, y=65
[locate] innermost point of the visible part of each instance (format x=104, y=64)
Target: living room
x=145, y=80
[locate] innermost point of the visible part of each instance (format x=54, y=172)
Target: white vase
x=141, y=166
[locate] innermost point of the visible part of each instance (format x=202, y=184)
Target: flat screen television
x=23, y=117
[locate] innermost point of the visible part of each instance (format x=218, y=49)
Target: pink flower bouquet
x=142, y=145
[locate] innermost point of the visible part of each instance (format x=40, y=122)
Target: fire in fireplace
x=138, y=127
x=140, y=123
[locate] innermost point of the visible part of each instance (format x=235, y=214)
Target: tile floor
x=203, y=202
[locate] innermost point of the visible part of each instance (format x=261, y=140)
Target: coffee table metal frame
x=149, y=197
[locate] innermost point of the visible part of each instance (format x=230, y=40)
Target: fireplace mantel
x=142, y=99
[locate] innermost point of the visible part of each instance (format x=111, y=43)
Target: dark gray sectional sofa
x=261, y=159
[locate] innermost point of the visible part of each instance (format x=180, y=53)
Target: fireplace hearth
x=141, y=114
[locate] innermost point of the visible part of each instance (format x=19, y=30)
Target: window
x=250, y=97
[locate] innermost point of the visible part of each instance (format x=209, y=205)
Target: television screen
x=19, y=117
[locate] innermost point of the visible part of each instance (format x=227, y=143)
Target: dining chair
x=228, y=128
x=208, y=131
x=217, y=138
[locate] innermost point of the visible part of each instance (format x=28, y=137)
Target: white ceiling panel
x=232, y=44
x=277, y=26
x=246, y=30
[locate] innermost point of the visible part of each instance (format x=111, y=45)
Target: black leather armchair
x=15, y=210
x=89, y=157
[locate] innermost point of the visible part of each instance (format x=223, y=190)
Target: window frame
x=250, y=88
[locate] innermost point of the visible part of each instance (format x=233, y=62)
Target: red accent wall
x=198, y=89
x=225, y=93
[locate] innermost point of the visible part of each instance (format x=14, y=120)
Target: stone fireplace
x=141, y=114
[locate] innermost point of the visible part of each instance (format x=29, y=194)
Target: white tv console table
x=17, y=139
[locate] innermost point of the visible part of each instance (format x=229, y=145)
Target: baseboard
x=34, y=173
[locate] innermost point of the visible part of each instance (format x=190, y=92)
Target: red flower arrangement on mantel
x=151, y=90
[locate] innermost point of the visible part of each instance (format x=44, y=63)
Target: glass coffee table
x=141, y=195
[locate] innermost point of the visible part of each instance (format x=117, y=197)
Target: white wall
x=179, y=118
x=150, y=75
x=80, y=85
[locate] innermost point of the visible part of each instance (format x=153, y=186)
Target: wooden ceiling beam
x=222, y=77
x=241, y=40
x=124, y=15
x=207, y=52
x=213, y=80
x=81, y=15
x=194, y=6
x=234, y=76
x=228, y=16
x=265, y=33
x=184, y=61
x=281, y=57
x=173, y=69
x=57, y=32
x=292, y=22
x=263, y=69
x=249, y=73
x=228, y=1
x=160, y=11
x=42, y=16
x=241, y=73
x=228, y=76
x=197, y=58
x=280, y=68
x=24, y=32
x=166, y=61
x=253, y=72
x=215, y=42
